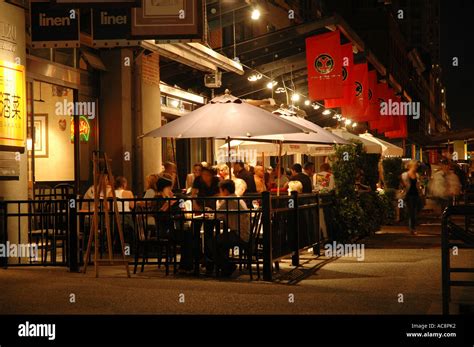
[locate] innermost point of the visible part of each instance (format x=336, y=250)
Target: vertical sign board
x=169, y=21
x=56, y=27
x=111, y=27
x=12, y=118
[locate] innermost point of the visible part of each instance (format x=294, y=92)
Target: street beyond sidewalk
x=400, y=274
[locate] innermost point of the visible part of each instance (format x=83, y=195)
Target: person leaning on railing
x=238, y=225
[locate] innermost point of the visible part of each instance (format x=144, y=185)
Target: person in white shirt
x=197, y=168
x=324, y=179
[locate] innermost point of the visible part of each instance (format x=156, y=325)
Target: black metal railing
x=61, y=227
x=456, y=233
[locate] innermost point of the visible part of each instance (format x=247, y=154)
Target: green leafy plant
x=392, y=170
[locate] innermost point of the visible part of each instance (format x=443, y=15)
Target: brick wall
x=151, y=69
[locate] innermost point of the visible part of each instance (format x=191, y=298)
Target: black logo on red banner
x=370, y=94
x=344, y=73
x=358, y=88
x=324, y=64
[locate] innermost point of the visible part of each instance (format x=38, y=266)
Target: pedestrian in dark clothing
x=298, y=175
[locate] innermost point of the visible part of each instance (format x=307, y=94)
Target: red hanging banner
x=324, y=62
x=347, y=79
x=373, y=108
x=356, y=110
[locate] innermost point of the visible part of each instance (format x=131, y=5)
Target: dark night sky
x=457, y=29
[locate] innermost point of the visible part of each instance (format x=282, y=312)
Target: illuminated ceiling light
x=295, y=97
x=348, y=122
x=316, y=106
x=334, y=117
x=255, y=14
x=354, y=124
x=343, y=118
x=174, y=103
x=271, y=84
x=442, y=90
x=280, y=90
x=326, y=112
x=307, y=102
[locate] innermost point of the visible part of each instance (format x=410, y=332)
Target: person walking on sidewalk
x=412, y=194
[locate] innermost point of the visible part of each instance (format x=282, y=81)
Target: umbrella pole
x=228, y=157
x=173, y=148
x=279, y=169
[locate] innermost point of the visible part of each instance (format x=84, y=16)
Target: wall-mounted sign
x=111, y=27
x=169, y=20
x=53, y=27
x=9, y=166
x=84, y=129
x=12, y=107
x=129, y=3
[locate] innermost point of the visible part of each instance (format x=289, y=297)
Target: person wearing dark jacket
x=298, y=175
x=242, y=173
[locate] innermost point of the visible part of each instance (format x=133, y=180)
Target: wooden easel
x=102, y=173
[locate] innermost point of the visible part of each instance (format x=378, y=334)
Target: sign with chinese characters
x=84, y=129
x=169, y=20
x=12, y=105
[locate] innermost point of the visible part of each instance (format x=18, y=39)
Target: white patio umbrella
x=226, y=117
x=272, y=148
x=316, y=136
x=369, y=146
x=388, y=149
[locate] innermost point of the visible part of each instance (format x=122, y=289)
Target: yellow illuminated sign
x=12, y=105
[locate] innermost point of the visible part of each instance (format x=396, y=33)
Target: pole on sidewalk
x=73, y=254
x=267, y=237
x=295, y=258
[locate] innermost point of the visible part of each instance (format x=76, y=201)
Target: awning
x=369, y=146
x=388, y=149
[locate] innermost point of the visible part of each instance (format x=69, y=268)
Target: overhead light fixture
x=326, y=112
x=442, y=90
x=307, y=102
x=174, y=103
x=295, y=97
x=343, y=118
x=280, y=90
x=254, y=77
x=348, y=122
x=255, y=14
x=271, y=84
x=316, y=106
x=354, y=124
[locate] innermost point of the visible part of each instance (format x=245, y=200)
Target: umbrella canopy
x=388, y=149
x=271, y=148
x=369, y=146
x=227, y=117
x=316, y=135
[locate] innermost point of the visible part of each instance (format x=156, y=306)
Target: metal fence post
x=3, y=231
x=267, y=237
x=295, y=258
x=73, y=254
x=445, y=277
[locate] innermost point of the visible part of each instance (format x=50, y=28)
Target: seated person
x=121, y=192
x=89, y=195
x=295, y=186
x=151, y=189
x=238, y=226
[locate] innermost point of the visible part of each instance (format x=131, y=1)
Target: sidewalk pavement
x=400, y=274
